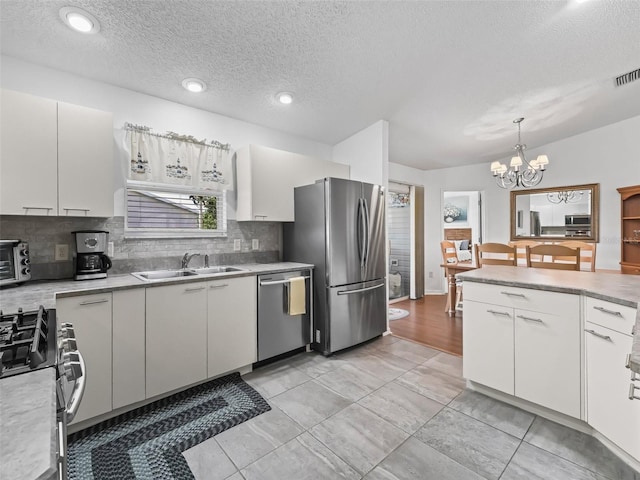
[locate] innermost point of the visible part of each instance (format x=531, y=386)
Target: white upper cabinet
x=85, y=161
x=56, y=158
x=28, y=155
x=266, y=178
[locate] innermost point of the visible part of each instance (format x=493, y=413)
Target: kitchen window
x=168, y=211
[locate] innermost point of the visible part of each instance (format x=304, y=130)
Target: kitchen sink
x=163, y=274
x=168, y=274
x=212, y=270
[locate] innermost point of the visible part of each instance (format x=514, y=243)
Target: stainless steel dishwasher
x=279, y=332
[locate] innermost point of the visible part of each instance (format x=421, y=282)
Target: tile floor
x=393, y=409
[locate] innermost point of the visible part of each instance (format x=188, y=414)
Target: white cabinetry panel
x=28, y=155
x=532, y=353
x=85, y=161
x=487, y=338
x=547, y=359
x=609, y=409
x=91, y=319
x=128, y=347
x=56, y=158
x=266, y=178
x=176, y=336
x=232, y=324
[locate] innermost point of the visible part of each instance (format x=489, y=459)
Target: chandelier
x=570, y=196
x=521, y=172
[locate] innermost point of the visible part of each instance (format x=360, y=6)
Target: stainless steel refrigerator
x=340, y=228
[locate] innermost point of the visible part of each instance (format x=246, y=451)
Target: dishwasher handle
x=279, y=282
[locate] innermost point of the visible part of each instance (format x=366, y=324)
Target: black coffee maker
x=91, y=261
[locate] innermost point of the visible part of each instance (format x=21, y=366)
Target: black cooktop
x=27, y=341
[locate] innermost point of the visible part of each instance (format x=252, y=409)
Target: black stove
x=27, y=341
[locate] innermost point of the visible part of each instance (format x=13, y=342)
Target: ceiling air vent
x=628, y=77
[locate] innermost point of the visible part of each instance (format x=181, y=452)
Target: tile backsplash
x=136, y=254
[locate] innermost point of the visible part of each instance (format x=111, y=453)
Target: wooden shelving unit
x=630, y=229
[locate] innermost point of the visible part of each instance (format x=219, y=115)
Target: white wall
x=161, y=115
x=609, y=156
x=367, y=152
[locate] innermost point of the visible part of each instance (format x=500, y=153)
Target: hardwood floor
x=428, y=324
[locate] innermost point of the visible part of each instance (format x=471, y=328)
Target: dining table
x=450, y=271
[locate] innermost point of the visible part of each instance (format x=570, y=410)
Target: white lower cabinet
x=609, y=409
x=547, y=359
x=531, y=353
x=128, y=347
x=91, y=319
x=232, y=327
x=176, y=337
x=145, y=342
x=487, y=338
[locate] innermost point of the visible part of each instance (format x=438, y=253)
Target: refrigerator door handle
x=361, y=232
x=366, y=231
x=359, y=290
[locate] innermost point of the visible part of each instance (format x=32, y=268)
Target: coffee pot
x=91, y=261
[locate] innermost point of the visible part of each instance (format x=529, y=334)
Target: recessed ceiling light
x=79, y=20
x=194, y=85
x=285, y=98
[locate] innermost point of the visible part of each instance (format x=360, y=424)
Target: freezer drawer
x=279, y=332
x=357, y=312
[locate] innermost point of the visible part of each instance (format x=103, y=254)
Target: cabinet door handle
x=496, y=312
x=634, y=377
x=93, y=302
x=632, y=393
x=593, y=332
x=38, y=208
x=511, y=294
x=530, y=318
x=610, y=312
x=627, y=362
x=221, y=285
x=85, y=210
x=195, y=289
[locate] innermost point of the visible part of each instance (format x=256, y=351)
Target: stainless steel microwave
x=577, y=220
x=15, y=266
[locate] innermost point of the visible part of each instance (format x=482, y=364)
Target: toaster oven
x=15, y=266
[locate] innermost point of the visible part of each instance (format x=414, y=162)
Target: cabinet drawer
x=522, y=298
x=611, y=315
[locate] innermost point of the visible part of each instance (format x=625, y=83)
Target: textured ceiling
x=449, y=76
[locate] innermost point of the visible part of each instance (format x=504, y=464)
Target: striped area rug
x=147, y=443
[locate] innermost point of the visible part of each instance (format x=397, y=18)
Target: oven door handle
x=78, y=391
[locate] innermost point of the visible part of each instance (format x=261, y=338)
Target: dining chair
x=495, y=254
x=554, y=252
x=587, y=254
x=521, y=250
x=449, y=254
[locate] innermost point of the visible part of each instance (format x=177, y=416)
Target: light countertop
x=28, y=425
x=30, y=295
x=611, y=287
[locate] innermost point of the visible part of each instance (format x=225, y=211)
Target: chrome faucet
x=187, y=258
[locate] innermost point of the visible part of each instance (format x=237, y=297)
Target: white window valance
x=177, y=160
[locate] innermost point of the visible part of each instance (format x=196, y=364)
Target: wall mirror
x=557, y=213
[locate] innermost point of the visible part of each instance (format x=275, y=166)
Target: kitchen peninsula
x=557, y=343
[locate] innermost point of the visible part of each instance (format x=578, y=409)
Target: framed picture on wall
x=456, y=210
